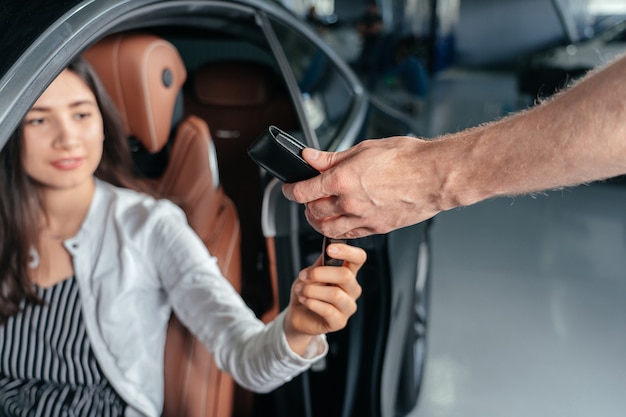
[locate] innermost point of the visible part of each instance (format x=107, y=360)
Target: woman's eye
x=35, y=121
x=82, y=115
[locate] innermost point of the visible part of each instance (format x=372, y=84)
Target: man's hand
x=373, y=187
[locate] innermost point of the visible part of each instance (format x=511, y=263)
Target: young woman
x=91, y=270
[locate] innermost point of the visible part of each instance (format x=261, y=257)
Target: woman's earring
x=33, y=258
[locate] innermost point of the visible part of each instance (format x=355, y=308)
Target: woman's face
x=63, y=135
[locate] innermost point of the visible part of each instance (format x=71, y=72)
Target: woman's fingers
x=324, y=297
x=353, y=258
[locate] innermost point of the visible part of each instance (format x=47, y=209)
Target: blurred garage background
x=528, y=313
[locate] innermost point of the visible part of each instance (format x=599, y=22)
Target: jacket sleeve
x=256, y=355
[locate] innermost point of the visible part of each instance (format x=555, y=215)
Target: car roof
x=40, y=37
x=25, y=21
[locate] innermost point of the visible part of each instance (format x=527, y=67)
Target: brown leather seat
x=239, y=99
x=144, y=75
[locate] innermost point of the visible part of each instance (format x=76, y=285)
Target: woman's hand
x=323, y=297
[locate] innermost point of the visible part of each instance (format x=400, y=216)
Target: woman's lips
x=67, y=163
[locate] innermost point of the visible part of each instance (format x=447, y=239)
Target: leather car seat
x=239, y=100
x=144, y=75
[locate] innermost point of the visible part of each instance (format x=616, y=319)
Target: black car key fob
x=328, y=261
x=280, y=154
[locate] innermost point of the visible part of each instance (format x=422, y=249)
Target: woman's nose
x=68, y=135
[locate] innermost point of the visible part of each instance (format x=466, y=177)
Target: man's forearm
x=577, y=136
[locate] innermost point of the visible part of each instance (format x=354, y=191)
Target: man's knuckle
x=298, y=194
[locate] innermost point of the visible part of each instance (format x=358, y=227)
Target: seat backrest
x=239, y=99
x=144, y=75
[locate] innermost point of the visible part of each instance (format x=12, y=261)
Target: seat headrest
x=232, y=83
x=143, y=74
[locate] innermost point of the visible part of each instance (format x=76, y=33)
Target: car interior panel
x=128, y=64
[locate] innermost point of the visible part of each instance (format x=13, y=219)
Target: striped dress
x=47, y=367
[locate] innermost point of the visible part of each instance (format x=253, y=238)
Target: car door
x=374, y=366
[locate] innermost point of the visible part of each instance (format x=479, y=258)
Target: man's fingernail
x=314, y=154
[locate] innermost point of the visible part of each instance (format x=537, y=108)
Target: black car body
x=374, y=367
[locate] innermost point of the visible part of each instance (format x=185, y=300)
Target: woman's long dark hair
x=20, y=206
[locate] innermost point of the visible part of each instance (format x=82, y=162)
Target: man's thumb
x=319, y=160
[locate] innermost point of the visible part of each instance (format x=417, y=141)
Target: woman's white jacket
x=136, y=259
